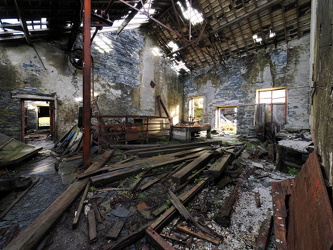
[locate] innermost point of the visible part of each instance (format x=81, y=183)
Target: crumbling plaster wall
x=284, y=66
x=123, y=68
x=322, y=92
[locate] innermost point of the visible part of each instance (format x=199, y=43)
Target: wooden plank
x=179, y=146
x=97, y=213
x=162, y=160
x=79, y=209
x=33, y=234
x=219, y=166
x=165, y=151
x=168, y=215
x=92, y=226
x=264, y=234
x=183, y=211
x=115, y=229
x=128, y=240
x=125, y=172
x=156, y=240
x=19, y=198
x=152, y=182
x=200, y=235
x=180, y=176
x=223, y=215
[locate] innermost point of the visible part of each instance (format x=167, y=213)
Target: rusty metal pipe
x=86, y=121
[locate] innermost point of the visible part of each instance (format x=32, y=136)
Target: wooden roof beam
x=23, y=23
x=239, y=19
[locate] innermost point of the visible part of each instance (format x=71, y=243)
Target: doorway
x=37, y=121
x=227, y=119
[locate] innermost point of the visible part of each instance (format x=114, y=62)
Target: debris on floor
x=200, y=195
x=13, y=151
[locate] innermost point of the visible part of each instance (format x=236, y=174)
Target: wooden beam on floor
x=34, y=233
x=180, y=176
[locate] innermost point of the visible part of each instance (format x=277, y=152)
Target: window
x=272, y=96
x=271, y=106
x=196, y=108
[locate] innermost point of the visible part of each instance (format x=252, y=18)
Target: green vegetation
x=92, y=189
x=142, y=197
x=292, y=170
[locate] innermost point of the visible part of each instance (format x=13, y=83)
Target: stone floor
x=48, y=187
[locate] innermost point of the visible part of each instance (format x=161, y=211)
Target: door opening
x=37, y=119
x=227, y=119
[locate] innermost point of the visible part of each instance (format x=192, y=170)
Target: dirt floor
x=113, y=204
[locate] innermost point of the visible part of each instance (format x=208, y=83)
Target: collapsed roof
x=197, y=32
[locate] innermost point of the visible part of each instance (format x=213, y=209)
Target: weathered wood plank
x=156, y=240
x=92, y=226
x=200, y=235
x=79, y=209
x=219, y=166
x=223, y=215
x=125, y=172
x=180, y=176
x=167, y=216
x=115, y=230
x=264, y=234
x=152, y=182
x=30, y=237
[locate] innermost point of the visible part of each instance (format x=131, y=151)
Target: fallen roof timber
x=33, y=234
x=180, y=176
x=303, y=204
x=179, y=146
x=123, y=172
x=148, y=161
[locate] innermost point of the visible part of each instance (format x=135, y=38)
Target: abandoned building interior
x=166, y=124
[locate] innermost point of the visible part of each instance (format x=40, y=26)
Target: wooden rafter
x=23, y=23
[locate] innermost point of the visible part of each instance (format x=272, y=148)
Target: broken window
x=271, y=106
x=227, y=119
x=196, y=109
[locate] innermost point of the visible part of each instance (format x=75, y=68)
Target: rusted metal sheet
x=303, y=217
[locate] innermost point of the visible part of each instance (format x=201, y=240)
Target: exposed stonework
x=286, y=65
x=322, y=91
x=123, y=68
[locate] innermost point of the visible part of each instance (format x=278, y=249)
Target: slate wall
x=123, y=67
x=236, y=85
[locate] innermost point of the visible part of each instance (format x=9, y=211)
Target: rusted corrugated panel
x=304, y=205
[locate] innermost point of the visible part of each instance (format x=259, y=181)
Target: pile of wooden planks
x=142, y=178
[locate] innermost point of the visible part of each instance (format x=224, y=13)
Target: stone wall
x=322, y=92
x=123, y=68
x=284, y=66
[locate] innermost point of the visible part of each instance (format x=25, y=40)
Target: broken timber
x=223, y=215
x=33, y=234
x=156, y=240
x=219, y=166
x=180, y=176
x=162, y=160
x=79, y=209
x=168, y=215
x=92, y=226
x=115, y=230
x=135, y=168
x=264, y=234
x=200, y=235
x=183, y=211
